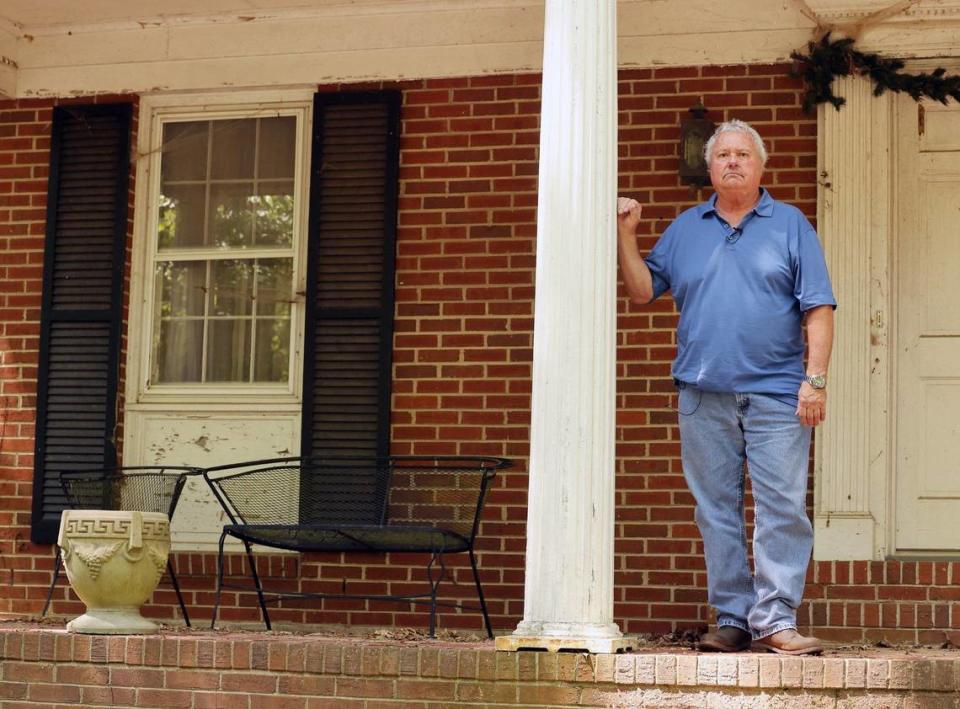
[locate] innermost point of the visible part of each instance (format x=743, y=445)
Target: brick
x=770, y=672
x=748, y=669
x=164, y=699
x=526, y=665
x=604, y=667
x=364, y=687
x=833, y=673
x=136, y=677
x=548, y=695
x=53, y=693
x=687, y=670
x=813, y=672
x=251, y=682
x=186, y=679
x=878, y=674
x=306, y=685
x=727, y=670
x=82, y=674
x=107, y=696
x=856, y=674
x=434, y=690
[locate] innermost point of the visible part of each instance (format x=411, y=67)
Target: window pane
x=274, y=286
x=273, y=209
x=231, y=215
x=228, y=350
x=181, y=288
x=226, y=185
x=273, y=350
x=234, y=143
x=181, y=216
x=278, y=140
x=184, y=154
x=232, y=288
x=177, y=352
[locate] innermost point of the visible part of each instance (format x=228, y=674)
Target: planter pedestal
x=114, y=561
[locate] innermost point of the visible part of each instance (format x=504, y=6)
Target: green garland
x=828, y=59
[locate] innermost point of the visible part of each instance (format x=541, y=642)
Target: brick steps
x=45, y=666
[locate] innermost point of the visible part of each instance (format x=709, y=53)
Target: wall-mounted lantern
x=694, y=133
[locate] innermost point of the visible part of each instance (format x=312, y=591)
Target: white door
x=927, y=266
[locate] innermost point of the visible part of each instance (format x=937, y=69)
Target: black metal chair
x=396, y=504
x=131, y=488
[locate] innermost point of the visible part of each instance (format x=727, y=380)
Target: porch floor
x=43, y=665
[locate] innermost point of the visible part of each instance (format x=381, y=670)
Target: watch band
x=817, y=381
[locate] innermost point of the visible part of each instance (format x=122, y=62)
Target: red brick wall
x=465, y=274
x=24, y=159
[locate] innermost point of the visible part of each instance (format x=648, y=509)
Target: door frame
x=855, y=452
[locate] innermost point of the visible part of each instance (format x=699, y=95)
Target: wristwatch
x=817, y=381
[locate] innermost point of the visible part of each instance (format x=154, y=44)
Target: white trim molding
x=396, y=40
x=153, y=111
x=928, y=28
x=8, y=60
x=855, y=201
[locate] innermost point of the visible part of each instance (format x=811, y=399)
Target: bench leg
x=216, y=603
x=483, y=603
x=256, y=580
x=58, y=561
x=437, y=556
x=434, y=585
x=176, y=587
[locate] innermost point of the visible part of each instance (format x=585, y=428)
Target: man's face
x=735, y=165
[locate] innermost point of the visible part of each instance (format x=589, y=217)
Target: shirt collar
x=763, y=207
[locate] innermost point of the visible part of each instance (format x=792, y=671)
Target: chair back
x=301, y=490
x=131, y=488
x=445, y=492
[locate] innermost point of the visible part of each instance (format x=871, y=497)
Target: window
x=224, y=259
x=226, y=228
x=262, y=288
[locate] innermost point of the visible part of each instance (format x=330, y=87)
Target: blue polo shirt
x=741, y=294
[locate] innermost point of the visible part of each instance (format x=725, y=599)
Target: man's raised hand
x=628, y=215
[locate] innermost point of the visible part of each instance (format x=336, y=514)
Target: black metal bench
x=396, y=504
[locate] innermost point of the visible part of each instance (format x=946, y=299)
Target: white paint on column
x=568, y=596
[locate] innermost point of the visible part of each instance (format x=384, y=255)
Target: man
x=745, y=272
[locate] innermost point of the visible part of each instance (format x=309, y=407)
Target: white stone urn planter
x=114, y=560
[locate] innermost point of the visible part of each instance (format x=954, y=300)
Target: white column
x=852, y=446
x=568, y=596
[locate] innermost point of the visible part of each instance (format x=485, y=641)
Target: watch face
x=817, y=381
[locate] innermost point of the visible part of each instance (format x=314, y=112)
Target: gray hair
x=735, y=126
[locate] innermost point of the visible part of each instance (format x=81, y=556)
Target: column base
x=594, y=646
x=571, y=637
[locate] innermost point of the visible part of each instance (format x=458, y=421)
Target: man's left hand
x=812, y=405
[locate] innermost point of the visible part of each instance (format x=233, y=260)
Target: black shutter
x=349, y=335
x=81, y=308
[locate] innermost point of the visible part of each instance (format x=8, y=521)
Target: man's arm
x=812, y=405
x=636, y=275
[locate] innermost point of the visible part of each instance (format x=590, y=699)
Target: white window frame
x=154, y=111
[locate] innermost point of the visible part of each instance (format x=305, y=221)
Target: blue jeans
x=718, y=433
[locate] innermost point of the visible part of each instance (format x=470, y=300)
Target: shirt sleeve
x=659, y=261
x=811, y=278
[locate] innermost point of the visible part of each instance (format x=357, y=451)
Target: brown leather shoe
x=727, y=638
x=789, y=642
